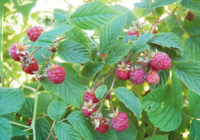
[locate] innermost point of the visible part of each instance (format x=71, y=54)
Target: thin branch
x=51, y=130
x=179, y=23
x=59, y=39
x=154, y=131
x=154, y=15
x=100, y=82
x=107, y=93
x=34, y=51
x=111, y=105
x=18, y=124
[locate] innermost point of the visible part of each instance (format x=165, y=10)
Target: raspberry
x=30, y=66
x=88, y=108
x=130, y=33
x=17, y=51
x=103, y=127
x=89, y=96
x=120, y=122
x=56, y=74
x=122, y=71
x=161, y=61
x=153, y=78
x=137, y=76
x=34, y=32
x=29, y=122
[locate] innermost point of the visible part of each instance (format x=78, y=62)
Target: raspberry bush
x=100, y=71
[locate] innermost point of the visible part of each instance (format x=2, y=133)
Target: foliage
x=167, y=110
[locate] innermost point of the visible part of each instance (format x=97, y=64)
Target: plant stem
x=1, y=41
x=18, y=124
x=93, y=42
x=51, y=130
x=108, y=92
x=34, y=51
x=154, y=131
x=59, y=39
x=35, y=112
x=154, y=15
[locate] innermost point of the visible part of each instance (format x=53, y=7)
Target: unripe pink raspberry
x=120, y=121
x=103, y=127
x=161, y=61
x=138, y=76
x=90, y=96
x=31, y=67
x=123, y=71
x=17, y=51
x=56, y=74
x=34, y=32
x=88, y=108
x=153, y=78
x=131, y=33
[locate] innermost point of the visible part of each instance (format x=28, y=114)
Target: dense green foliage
x=93, y=41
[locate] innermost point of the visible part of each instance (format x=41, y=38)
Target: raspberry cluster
x=19, y=52
x=118, y=120
x=137, y=75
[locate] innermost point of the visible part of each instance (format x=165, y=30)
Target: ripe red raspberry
x=137, y=76
x=153, y=78
x=161, y=61
x=88, y=108
x=56, y=74
x=120, y=121
x=34, y=32
x=103, y=127
x=30, y=66
x=123, y=71
x=29, y=122
x=17, y=51
x=89, y=96
x=130, y=33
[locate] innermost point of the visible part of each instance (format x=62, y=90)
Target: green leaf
x=110, y=33
x=65, y=131
x=191, y=4
x=73, y=52
x=189, y=73
x=100, y=91
x=60, y=17
x=56, y=109
x=42, y=129
x=192, y=27
x=27, y=108
x=159, y=3
x=91, y=68
x=18, y=132
x=194, y=130
x=192, y=48
x=46, y=39
x=116, y=54
x=5, y=129
x=41, y=55
x=109, y=135
x=129, y=100
x=129, y=134
x=25, y=6
x=163, y=106
x=142, y=8
x=77, y=35
x=130, y=16
x=11, y=100
x=169, y=40
x=71, y=90
x=194, y=103
x=164, y=76
x=141, y=43
x=92, y=15
x=158, y=137
x=79, y=123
